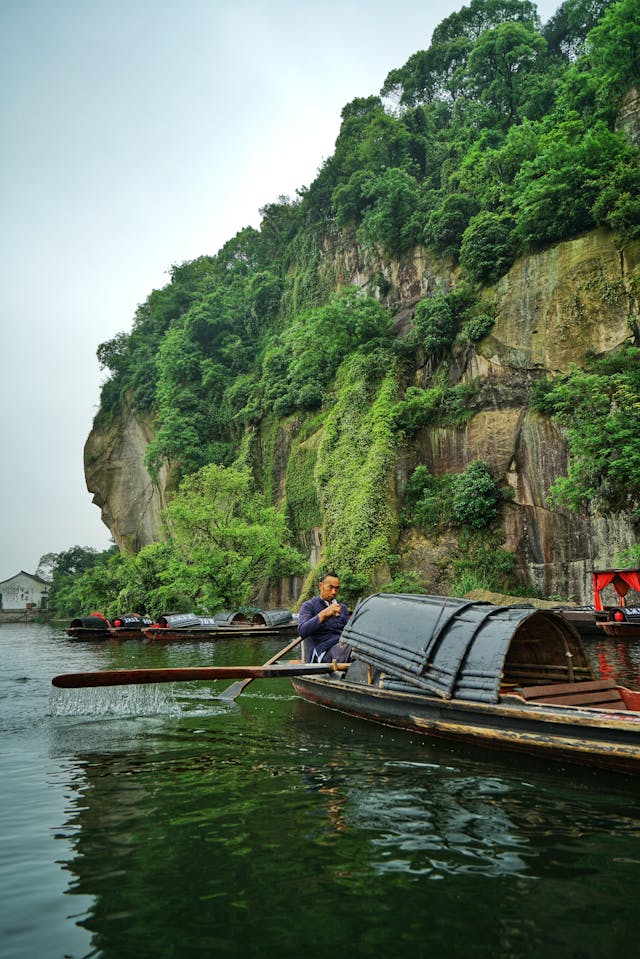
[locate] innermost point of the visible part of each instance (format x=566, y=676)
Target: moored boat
x=584, y=618
x=620, y=620
x=97, y=626
x=187, y=627
x=514, y=678
x=129, y=626
x=92, y=627
x=623, y=622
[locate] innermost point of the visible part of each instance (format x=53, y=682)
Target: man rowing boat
x=321, y=621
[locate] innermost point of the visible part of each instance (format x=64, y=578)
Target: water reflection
x=202, y=829
x=423, y=819
x=617, y=660
x=243, y=830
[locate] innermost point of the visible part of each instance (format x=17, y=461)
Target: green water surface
x=161, y=822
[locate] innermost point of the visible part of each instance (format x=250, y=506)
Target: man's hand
x=332, y=610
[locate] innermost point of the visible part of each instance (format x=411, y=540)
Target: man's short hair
x=327, y=575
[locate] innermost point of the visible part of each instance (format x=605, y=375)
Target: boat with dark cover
x=508, y=677
x=129, y=626
x=92, y=627
x=188, y=627
x=97, y=626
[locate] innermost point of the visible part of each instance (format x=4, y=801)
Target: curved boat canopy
x=186, y=621
x=463, y=649
x=272, y=617
x=229, y=617
x=132, y=621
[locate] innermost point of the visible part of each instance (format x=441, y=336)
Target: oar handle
x=130, y=677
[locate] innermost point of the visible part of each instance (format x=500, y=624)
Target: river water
x=161, y=823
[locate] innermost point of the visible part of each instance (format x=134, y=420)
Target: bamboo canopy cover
x=458, y=648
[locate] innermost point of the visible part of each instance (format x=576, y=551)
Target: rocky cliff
x=552, y=309
x=130, y=503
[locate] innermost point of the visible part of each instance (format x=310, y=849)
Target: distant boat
x=184, y=627
x=92, y=627
x=619, y=620
x=187, y=627
x=583, y=618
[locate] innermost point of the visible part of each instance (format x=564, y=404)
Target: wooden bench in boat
x=602, y=693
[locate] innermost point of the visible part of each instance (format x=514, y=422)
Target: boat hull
x=246, y=631
x=85, y=634
x=623, y=630
x=587, y=736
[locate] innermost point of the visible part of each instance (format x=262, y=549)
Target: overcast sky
x=135, y=134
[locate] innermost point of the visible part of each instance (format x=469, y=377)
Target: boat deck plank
x=603, y=693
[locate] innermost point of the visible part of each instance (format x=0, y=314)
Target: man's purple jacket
x=323, y=635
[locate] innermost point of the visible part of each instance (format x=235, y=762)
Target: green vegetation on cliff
x=497, y=140
x=599, y=407
x=222, y=542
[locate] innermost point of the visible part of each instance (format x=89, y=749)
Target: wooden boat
x=183, y=627
x=92, y=627
x=513, y=678
x=98, y=627
x=619, y=620
x=584, y=618
x=129, y=626
x=623, y=622
x=187, y=627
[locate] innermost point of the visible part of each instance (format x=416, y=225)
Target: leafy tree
x=430, y=75
x=481, y=15
x=476, y=496
x=435, y=323
x=351, y=198
x=428, y=500
x=614, y=49
x=567, y=30
x=225, y=542
x=391, y=220
x=618, y=205
x=557, y=191
x=439, y=72
x=446, y=224
x=68, y=571
x=501, y=66
x=418, y=409
x=300, y=364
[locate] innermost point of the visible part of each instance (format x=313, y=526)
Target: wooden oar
x=232, y=692
x=129, y=677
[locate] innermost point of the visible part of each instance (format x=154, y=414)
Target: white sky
x=135, y=134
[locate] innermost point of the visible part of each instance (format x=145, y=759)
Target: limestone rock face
x=115, y=473
x=628, y=118
x=552, y=309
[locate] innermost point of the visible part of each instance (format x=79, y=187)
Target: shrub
x=476, y=496
x=489, y=246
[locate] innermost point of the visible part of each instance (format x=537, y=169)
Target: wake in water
x=143, y=700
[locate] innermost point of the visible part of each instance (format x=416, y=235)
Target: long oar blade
x=129, y=677
x=232, y=692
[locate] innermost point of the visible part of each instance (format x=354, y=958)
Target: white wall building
x=23, y=591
